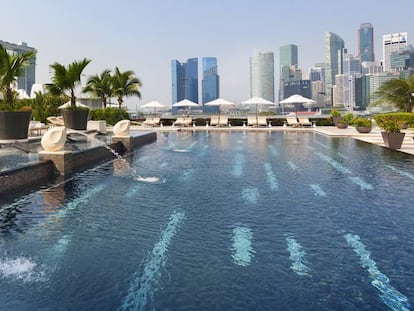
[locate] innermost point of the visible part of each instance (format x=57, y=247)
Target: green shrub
x=361, y=122
x=398, y=117
x=335, y=113
x=110, y=115
x=348, y=118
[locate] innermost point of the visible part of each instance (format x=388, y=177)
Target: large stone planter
x=76, y=119
x=363, y=129
x=14, y=125
x=393, y=140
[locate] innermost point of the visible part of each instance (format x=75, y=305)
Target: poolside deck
x=374, y=137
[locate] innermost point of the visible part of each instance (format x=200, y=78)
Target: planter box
x=14, y=125
x=393, y=140
x=99, y=126
x=75, y=119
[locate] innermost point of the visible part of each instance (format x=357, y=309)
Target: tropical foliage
x=397, y=92
x=45, y=105
x=335, y=113
x=100, y=85
x=66, y=79
x=11, y=67
x=111, y=115
x=125, y=84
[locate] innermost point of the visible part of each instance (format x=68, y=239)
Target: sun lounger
x=188, y=121
x=151, y=122
x=214, y=121
x=261, y=121
x=223, y=121
x=56, y=121
x=292, y=121
x=37, y=128
x=305, y=122
x=251, y=121
x=183, y=121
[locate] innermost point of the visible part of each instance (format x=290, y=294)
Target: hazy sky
x=145, y=35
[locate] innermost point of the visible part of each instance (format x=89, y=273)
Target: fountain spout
x=54, y=139
x=121, y=129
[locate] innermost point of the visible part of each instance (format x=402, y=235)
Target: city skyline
x=145, y=37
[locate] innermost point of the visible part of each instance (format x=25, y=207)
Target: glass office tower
x=184, y=80
x=210, y=83
x=288, y=67
x=177, y=81
x=334, y=46
x=366, y=43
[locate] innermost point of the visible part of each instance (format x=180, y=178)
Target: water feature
x=122, y=163
x=233, y=227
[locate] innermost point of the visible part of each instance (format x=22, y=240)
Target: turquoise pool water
x=218, y=221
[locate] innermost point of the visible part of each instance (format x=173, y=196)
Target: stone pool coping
x=63, y=164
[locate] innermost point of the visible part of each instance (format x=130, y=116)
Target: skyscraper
x=262, y=75
x=395, y=42
x=177, y=81
x=210, y=83
x=351, y=70
x=366, y=43
x=26, y=80
x=184, y=80
x=288, y=67
x=334, y=46
x=289, y=55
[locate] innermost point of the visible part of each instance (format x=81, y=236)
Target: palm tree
x=398, y=92
x=125, y=84
x=11, y=67
x=100, y=86
x=67, y=78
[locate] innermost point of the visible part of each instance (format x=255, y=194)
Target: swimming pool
x=218, y=221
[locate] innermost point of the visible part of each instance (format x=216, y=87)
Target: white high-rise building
x=262, y=75
x=392, y=43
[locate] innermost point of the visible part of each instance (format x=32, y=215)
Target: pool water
x=218, y=221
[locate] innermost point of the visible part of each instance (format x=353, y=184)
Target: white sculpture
x=122, y=128
x=54, y=139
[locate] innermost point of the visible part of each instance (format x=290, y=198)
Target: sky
x=144, y=36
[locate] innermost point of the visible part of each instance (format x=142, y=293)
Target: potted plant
x=392, y=135
x=362, y=125
x=341, y=123
x=336, y=116
x=64, y=82
x=14, y=119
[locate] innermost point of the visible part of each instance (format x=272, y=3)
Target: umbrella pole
x=219, y=115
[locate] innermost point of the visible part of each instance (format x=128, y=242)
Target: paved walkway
x=374, y=137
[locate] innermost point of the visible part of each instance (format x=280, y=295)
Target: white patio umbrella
x=77, y=104
x=256, y=100
x=153, y=104
x=219, y=102
x=185, y=103
x=296, y=99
